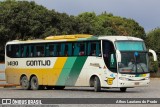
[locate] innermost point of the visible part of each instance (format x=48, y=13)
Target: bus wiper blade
x=141, y=67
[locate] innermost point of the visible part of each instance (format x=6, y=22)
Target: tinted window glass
x=13, y=51
x=130, y=45
x=94, y=48
x=40, y=51
x=109, y=56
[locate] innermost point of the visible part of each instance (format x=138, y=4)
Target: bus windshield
x=130, y=45
x=133, y=64
x=133, y=57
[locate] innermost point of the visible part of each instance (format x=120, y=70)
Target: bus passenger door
x=109, y=56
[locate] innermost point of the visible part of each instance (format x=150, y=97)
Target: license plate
x=136, y=83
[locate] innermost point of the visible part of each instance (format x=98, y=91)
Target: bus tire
x=25, y=84
x=97, y=84
x=34, y=84
x=59, y=87
x=123, y=89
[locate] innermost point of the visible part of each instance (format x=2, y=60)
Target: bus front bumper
x=123, y=83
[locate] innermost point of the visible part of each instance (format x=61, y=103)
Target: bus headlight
x=123, y=78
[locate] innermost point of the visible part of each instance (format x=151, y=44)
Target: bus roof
x=76, y=37
x=116, y=38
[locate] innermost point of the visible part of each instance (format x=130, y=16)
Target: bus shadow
x=86, y=90
x=103, y=90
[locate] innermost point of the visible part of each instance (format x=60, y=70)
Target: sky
x=145, y=12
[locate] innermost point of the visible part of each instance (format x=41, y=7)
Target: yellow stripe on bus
x=46, y=76
x=58, y=66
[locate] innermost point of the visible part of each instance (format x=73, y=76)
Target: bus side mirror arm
x=154, y=54
x=118, y=54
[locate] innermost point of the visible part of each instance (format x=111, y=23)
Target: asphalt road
x=152, y=91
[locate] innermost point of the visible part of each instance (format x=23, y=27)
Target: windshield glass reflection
x=131, y=63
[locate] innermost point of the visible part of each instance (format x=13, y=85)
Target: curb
x=8, y=85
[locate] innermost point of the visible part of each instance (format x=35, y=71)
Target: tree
x=86, y=23
x=26, y=20
x=115, y=25
x=23, y=20
x=153, y=41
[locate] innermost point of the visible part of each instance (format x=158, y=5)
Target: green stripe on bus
x=65, y=71
x=75, y=71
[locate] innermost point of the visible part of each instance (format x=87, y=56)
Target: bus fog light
x=147, y=78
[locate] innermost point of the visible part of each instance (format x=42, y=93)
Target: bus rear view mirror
x=154, y=54
x=118, y=53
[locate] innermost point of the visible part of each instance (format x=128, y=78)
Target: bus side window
x=69, y=49
x=98, y=49
x=66, y=49
x=50, y=50
x=62, y=51
x=55, y=50
x=83, y=49
x=40, y=50
x=58, y=50
x=24, y=50
x=31, y=51
x=76, y=49
x=15, y=51
x=9, y=51
x=89, y=48
x=94, y=48
x=47, y=50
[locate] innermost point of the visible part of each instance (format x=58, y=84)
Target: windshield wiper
x=141, y=67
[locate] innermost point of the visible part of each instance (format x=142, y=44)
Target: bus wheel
x=97, y=85
x=25, y=84
x=59, y=87
x=34, y=84
x=123, y=89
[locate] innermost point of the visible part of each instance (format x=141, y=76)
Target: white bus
x=78, y=60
